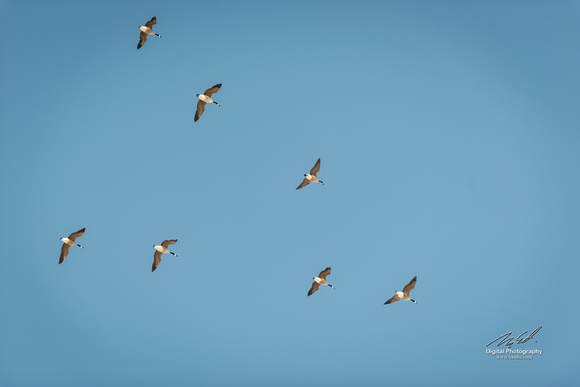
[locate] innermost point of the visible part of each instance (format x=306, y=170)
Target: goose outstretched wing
x=168, y=242
x=324, y=273
x=410, y=286
x=315, y=168
x=63, y=253
x=314, y=288
x=156, y=260
x=76, y=234
x=395, y=298
x=151, y=22
x=212, y=90
x=304, y=183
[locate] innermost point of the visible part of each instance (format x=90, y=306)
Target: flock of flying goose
x=161, y=249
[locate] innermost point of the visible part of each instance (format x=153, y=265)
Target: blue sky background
x=448, y=133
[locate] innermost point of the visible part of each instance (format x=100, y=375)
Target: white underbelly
x=161, y=249
x=313, y=179
x=68, y=241
x=205, y=98
x=148, y=31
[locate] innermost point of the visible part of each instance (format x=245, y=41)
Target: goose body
x=68, y=242
x=311, y=177
x=320, y=280
x=147, y=29
x=206, y=98
x=404, y=295
x=162, y=249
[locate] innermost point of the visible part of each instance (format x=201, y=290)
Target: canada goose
x=311, y=177
x=161, y=249
x=404, y=295
x=68, y=242
x=205, y=98
x=320, y=280
x=146, y=30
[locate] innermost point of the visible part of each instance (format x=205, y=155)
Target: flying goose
x=311, y=177
x=404, y=295
x=161, y=249
x=320, y=280
x=205, y=98
x=68, y=242
x=146, y=30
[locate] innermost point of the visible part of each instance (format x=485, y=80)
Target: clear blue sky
x=449, y=138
